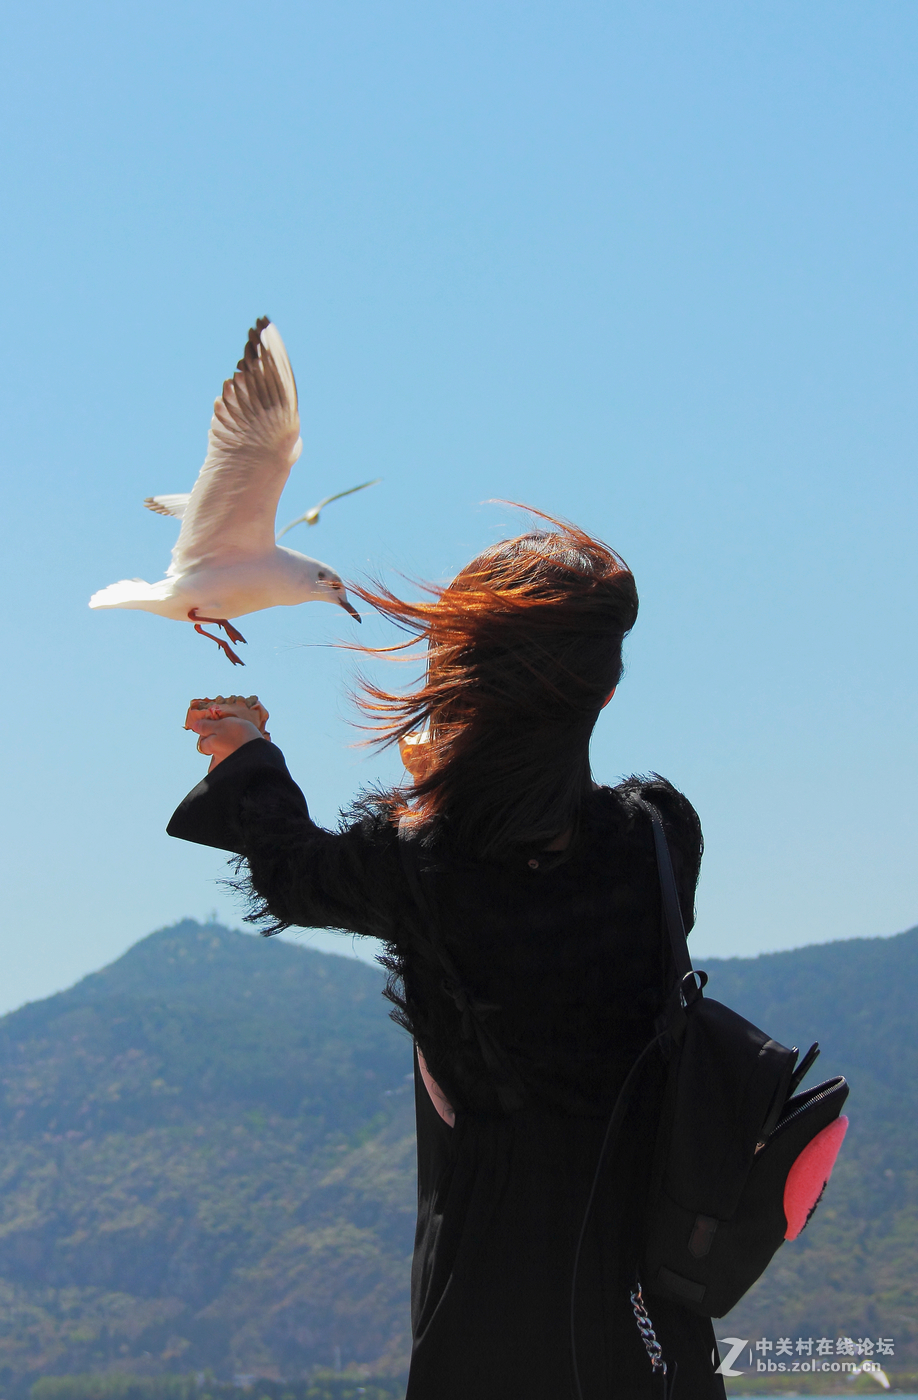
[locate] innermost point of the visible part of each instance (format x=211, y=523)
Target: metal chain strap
x=648, y=1335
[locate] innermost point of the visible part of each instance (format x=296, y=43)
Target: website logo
x=736, y=1345
x=806, y=1354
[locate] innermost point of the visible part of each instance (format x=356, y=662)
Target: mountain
x=207, y=1158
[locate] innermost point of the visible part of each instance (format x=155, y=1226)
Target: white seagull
x=225, y=562
x=312, y=515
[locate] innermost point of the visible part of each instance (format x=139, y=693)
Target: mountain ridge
x=207, y=1153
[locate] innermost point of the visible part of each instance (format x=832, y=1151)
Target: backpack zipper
x=802, y=1108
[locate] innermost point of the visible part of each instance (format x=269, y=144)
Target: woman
x=518, y=908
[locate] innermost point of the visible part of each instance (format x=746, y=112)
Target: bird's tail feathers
x=169, y=505
x=131, y=593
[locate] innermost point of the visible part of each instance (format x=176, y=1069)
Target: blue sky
x=649, y=266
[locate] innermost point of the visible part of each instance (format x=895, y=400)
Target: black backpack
x=741, y=1159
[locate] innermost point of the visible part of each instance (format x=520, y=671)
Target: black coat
x=564, y=956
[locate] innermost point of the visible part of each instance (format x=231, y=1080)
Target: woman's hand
x=223, y=727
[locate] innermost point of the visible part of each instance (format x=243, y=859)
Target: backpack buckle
x=690, y=989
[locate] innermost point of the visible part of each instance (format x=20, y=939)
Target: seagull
x=876, y=1373
x=312, y=515
x=225, y=562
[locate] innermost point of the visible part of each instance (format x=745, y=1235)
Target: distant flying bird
x=225, y=562
x=312, y=515
x=876, y=1373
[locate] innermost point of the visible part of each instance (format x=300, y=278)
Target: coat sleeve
x=298, y=873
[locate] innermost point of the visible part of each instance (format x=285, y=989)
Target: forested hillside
x=206, y=1160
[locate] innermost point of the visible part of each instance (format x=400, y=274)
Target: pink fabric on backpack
x=809, y=1176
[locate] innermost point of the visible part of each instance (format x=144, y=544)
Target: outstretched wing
x=254, y=440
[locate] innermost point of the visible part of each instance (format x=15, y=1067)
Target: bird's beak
x=349, y=607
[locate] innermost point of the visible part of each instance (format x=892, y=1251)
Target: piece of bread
x=243, y=707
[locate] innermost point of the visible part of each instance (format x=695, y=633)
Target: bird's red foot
x=225, y=646
x=229, y=629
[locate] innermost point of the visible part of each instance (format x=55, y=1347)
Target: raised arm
x=299, y=873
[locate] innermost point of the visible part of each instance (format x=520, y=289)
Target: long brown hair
x=523, y=649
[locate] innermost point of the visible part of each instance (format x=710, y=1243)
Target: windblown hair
x=523, y=649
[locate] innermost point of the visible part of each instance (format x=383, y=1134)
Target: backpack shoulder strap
x=672, y=909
